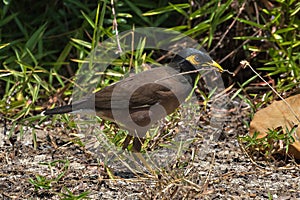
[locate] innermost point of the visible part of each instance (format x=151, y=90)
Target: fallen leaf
x=277, y=115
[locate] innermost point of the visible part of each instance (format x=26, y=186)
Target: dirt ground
x=58, y=167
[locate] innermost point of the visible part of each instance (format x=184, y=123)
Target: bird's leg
x=126, y=141
x=137, y=144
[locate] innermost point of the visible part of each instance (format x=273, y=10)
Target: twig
x=115, y=25
x=229, y=28
x=188, y=72
x=247, y=64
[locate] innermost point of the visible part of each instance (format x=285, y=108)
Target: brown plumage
x=137, y=102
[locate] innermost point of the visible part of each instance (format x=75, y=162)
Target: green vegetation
x=42, y=45
x=42, y=182
x=274, y=143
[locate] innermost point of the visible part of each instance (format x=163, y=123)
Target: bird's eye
x=197, y=59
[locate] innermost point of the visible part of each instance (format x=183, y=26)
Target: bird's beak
x=216, y=65
x=192, y=59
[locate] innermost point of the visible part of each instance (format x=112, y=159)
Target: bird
x=137, y=102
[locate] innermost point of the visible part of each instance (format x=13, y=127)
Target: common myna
x=137, y=102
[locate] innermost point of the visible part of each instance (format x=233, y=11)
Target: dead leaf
x=278, y=114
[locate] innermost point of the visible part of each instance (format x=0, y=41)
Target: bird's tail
x=87, y=103
x=58, y=110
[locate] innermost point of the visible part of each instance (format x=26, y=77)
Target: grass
x=42, y=182
x=32, y=68
x=276, y=142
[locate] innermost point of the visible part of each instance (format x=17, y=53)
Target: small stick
x=247, y=64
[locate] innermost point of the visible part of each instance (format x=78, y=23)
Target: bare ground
x=59, y=167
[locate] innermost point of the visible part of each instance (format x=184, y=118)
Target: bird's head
x=199, y=59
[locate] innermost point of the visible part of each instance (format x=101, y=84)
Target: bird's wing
x=142, y=90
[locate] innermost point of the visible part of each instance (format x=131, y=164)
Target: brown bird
x=137, y=102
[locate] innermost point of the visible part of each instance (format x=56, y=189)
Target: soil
x=57, y=166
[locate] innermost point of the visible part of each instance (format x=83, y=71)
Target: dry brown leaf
x=279, y=115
